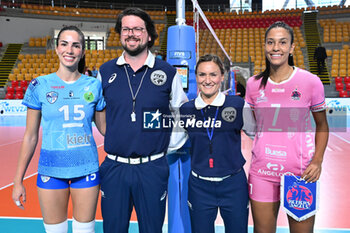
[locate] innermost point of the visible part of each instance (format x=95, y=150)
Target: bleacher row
x=80, y=12
x=336, y=34
x=30, y=66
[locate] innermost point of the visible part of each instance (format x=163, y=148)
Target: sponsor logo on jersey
x=51, y=97
x=89, y=96
x=278, y=90
x=262, y=97
x=295, y=95
x=273, y=152
x=33, y=84
x=275, y=166
x=71, y=94
x=152, y=119
x=57, y=87
x=76, y=140
x=112, y=78
x=229, y=114
x=44, y=179
x=158, y=77
x=299, y=197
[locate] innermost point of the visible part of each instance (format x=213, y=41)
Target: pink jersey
x=284, y=140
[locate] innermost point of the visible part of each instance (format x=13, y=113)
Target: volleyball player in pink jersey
x=282, y=97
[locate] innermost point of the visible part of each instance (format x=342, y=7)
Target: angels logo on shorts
x=112, y=78
x=51, y=97
x=229, y=114
x=158, y=77
x=44, y=179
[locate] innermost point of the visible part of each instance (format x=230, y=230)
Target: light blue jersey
x=68, y=148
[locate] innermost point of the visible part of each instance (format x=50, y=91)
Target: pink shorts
x=263, y=190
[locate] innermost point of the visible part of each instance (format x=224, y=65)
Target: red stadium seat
x=343, y=93
x=10, y=89
x=9, y=95
x=338, y=79
x=14, y=83
x=19, y=95
x=347, y=86
x=24, y=83
x=347, y=79
x=339, y=86
x=19, y=89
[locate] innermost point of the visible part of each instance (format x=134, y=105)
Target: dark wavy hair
x=213, y=58
x=81, y=64
x=266, y=73
x=151, y=30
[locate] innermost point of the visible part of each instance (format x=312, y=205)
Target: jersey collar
x=217, y=102
x=150, y=60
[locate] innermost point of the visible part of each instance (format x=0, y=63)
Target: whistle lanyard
x=210, y=133
x=133, y=113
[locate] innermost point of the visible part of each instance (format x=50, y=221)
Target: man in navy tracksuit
x=213, y=122
x=138, y=90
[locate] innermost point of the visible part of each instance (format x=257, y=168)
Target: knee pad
x=57, y=228
x=83, y=227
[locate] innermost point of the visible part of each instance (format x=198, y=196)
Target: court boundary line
x=340, y=137
x=27, y=177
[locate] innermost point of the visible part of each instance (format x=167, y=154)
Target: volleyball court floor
x=332, y=217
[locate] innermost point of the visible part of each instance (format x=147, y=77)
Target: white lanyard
x=133, y=114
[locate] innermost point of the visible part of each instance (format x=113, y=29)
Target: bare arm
x=30, y=141
x=313, y=172
x=100, y=121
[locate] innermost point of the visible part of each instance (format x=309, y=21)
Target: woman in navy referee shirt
x=213, y=122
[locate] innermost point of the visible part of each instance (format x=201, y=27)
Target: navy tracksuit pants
x=143, y=186
x=230, y=196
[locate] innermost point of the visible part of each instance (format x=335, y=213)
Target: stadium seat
x=19, y=89
x=339, y=86
x=10, y=89
x=19, y=95
x=23, y=83
x=338, y=79
x=9, y=95
x=14, y=83
x=347, y=86
x=347, y=79
x=343, y=93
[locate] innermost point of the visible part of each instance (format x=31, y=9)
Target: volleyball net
x=217, y=34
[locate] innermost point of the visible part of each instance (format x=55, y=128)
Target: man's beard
x=136, y=51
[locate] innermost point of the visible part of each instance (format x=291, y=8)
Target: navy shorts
x=47, y=182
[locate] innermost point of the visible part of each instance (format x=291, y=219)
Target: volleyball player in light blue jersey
x=65, y=103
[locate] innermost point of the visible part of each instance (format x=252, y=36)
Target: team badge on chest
x=229, y=114
x=296, y=95
x=51, y=97
x=158, y=77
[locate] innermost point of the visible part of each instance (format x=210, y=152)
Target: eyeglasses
x=137, y=31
